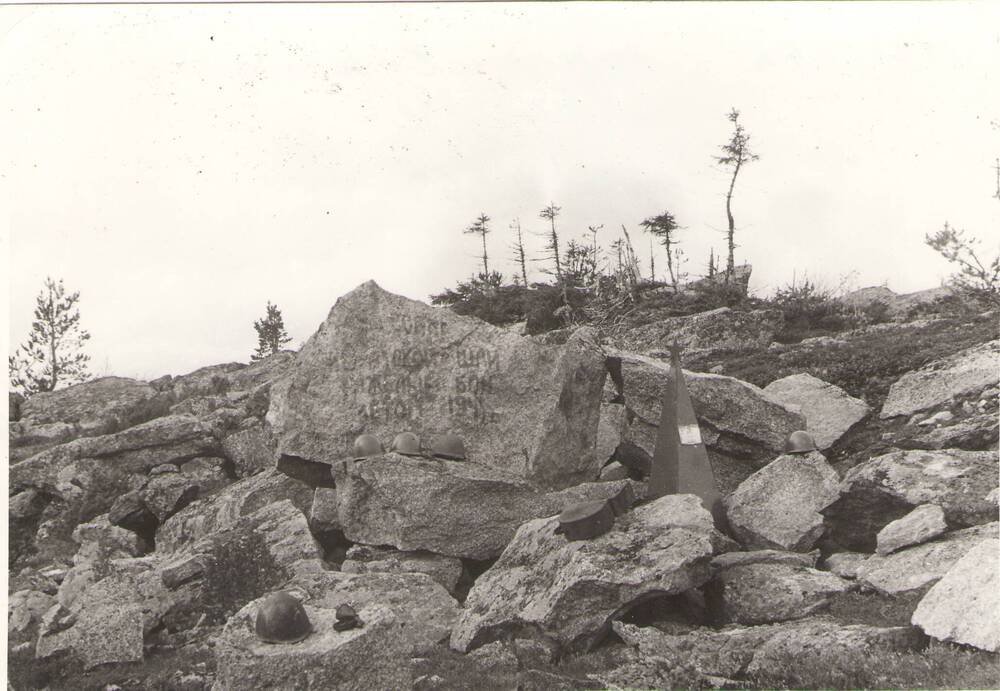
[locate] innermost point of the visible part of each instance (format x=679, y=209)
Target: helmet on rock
x=800, y=442
x=367, y=445
x=406, y=443
x=282, y=619
x=448, y=446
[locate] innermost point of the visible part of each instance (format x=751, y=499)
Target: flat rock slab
x=964, y=606
x=569, y=591
x=454, y=508
x=778, y=506
x=422, y=606
x=963, y=374
x=768, y=592
x=924, y=523
x=382, y=363
x=879, y=491
x=829, y=410
x=736, y=651
x=364, y=559
x=918, y=567
x=370, y=657
x=97, y=407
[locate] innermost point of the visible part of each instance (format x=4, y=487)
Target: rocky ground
x=149, y=519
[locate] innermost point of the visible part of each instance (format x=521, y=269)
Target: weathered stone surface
x=778, y=506
x=224, y=509
x=366, y=559
x=382, y=363
x=924, y=523
x=767, y=592
x=107, y=620
x=424, y=608
x=569, y=592
x=829, y=643
x=233, y=376
x=877, y=492
x=721, y=330
x=323, y=515
x=736, y=651
x=742, y=426
x=613, y=471
x=976, y=433
x=964, y=606
x=829, y=410
x=251, y=447
x=844, y=564
x=90, y=473
x=455, y=508
x=918, y=567
x=722, y=562
x=26, y=607
x=370, y=657
x=963, y=374
x=168, y=493
x=97, y=407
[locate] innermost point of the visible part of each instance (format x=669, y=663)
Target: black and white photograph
x=528, y=346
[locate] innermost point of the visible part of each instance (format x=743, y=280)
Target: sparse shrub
x=809, y=310
x=876, y=312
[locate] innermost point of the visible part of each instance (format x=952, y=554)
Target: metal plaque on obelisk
x=680, y=461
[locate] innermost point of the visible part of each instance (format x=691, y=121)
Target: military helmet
x=367, y=445
x=281, y=618
x=586, y=520
x=448, y=446
x=800, y=442
x=406, y=443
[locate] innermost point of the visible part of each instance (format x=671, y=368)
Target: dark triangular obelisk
x=680, y=461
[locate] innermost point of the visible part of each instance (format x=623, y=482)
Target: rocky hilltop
x=150, y=520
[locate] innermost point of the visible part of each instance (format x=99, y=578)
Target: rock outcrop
x=382, y=363
x=924, y=523
x=778, y=506
x=370, y=657
x=742, y=426
x=916, y=568
x=879, y=491
x=454, y=508
x=365, y=559
x=965, y=373
x=704, y=334
x=773, y=589
x=829, y=411
x=963, y=606
x=570, y=591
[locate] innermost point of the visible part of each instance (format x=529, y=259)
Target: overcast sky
x=182, y=165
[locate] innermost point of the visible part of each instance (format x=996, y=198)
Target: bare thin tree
x=518, y=248
x=550, y=213
x=735, y=154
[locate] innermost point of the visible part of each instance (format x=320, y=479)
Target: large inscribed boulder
x=382, y=363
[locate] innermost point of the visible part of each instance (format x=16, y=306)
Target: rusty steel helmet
x=281, y=618
x=406, y=443
x=367, y=445
x=800, y=442
x=448, y=446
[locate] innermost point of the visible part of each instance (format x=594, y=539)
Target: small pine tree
x=271, y=334
x=481, y=227
x=52, y=356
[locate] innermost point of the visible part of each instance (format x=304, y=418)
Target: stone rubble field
x=149, y=520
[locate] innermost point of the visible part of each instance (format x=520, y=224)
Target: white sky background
x=182, y=165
